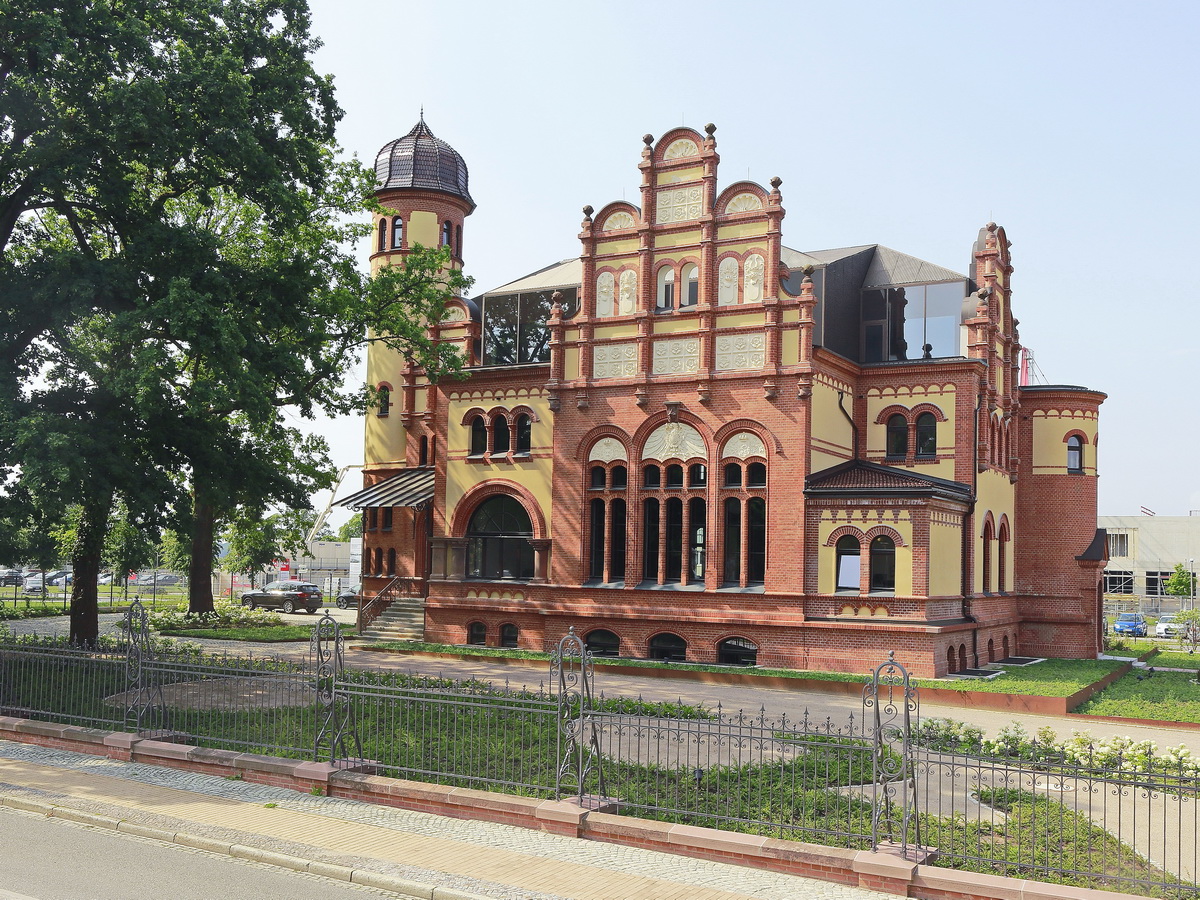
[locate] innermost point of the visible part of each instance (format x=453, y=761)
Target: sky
x=1074, y=125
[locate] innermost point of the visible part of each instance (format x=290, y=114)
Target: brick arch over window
x=675, y=134
x=1076, y=433
x=653, y=423
x=584, y=448
x=884, y=531
x=894, y=410
x=617, y=206
x=932, y=408
x=844, y=531
x=722, y=434
x=472, y=413
x=742, y=187
x=988, y=522
x=472, y=498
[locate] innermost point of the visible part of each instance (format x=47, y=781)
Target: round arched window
x=498, y=540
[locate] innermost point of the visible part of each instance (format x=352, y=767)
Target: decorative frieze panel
x=607, y=450
x=606, y=286
x=743, y=203
x=679, y=205
x=755, y=267
x=681, y=149
x=674, y=440
x=618, y=220
x=627, y=300
x=727, y=282
x=677, y=357
x=614, y=361
x=747, y=350
x=743, y=445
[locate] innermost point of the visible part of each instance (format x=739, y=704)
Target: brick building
x=694, y=442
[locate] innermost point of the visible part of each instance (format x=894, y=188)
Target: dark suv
x=349, y=597
x=286, y=596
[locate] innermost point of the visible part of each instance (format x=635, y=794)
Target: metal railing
x=1032, y=811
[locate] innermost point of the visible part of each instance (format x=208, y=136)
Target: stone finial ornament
x=776, y=182
x=710, y=129
x=647, y=139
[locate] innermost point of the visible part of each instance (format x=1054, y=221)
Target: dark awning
x=412, y=487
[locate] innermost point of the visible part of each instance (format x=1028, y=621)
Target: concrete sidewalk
x=411, y=854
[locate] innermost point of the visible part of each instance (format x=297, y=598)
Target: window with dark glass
x=616, y=552
x=674, y=476
x=732, y=573
x=650, y=516
x=373, y=518
x=423, y=458
x=849, y=566
x=733, y=475
x=524, y=434
x=926, y=436
x=387, y=513
x=651, y=476
x=756, y=475
x=674, y=556
x=669, y=647
x=1118, y=582
x=1002, y=558
x=697, y=509
x=515, y=326
x=498, y=540
x=602, y=642
x=478, y=436
x=596, y=570
x=383, y=234
x=619, y=478
x=897, y=437
x=883, y=564
x=697, y=475
x=477, y=634
x=499, y=435
x=737, y=652
x=1075, y=455
x=397, y=232
x=508, y=635
x=756, y=540
x=914, y=321
x=378, y=560
x=458, y=241
x=988, y=537
x=384, y=398
x=446, y=231
x=597, y=478
x=391, y=561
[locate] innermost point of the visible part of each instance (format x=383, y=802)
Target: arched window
x=737, y=652
x=674, y=554
x=883, y=564
x=697, y=475
x=385, y=401
x=962, y=657
x=618, y=478
x=1002, y=558
x=666, y=288
x=674, y=476
x=597, y=480
x=446, y=232
x=478, y=436
x=617, y=538
x=651, y=477
x=524, y=434
x=690, y=295
x=602, y=642
x=849, y=565
x=951, y=660
x=733, y=475
x=498, y=540
x=756, y=540
x=596, y=570
x=1075, y=455
x=988, y=537
x=378, y=560
x=926, y=436
x=697, y=529
x=477, y=634
x=391, y=558
x=897, y=437
x=458, y=241
x=397, y=232
x=650, y=516
x=669, y=647
x=1004, y=648
x=991, y=650
x=382, y=234
x=508, y=635
x=500, y=439
x=423, y=458
x=732, y=573
x=756, y=475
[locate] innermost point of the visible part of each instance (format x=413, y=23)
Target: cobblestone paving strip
x=483, y=855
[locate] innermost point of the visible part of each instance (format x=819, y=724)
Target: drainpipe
x=849, y=418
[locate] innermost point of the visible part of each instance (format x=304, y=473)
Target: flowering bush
x=224, y=615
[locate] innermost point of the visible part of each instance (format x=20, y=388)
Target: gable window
x=1075, y=455
x=849, y=565
x=883, y=564
x=926, y=436
x=897, y=437
x=397, y=233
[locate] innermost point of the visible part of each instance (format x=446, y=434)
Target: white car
x=1167, y=627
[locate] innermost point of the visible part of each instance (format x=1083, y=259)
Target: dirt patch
x=232, y=693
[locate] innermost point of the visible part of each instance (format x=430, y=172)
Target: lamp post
x=1192, y=583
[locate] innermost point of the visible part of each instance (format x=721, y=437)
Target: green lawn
x=1167, y=696
x=258, y=634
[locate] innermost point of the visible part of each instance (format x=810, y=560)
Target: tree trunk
x=85, y=563
x=200, y=596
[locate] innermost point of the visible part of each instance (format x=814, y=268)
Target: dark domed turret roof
x=420, y=160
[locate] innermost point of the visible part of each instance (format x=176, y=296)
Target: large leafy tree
x=175, y=271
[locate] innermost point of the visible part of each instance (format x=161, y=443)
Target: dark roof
x=420, y=160
x=858, y=478
x=1098, y=549
x=411, y=487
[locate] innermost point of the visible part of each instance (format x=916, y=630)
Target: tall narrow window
x=423, y=459
x=373, y=518
x=391, y=558
x=756, y=540
x=674, y=558
x=446, y=231
x=666, y=288
x=926, y=436
x=883, y=564
x=1002, y=558
x=988, y=537
x=388, y=513
x=1075, y=455
x=478, y=436
x=378, y=560
x=732, y=574
x=650, y=513
x=597, y=477
x=500, y=440
x=397, y=232
x=617, y=538
x=691, y=286
x=597, y=540
x=524, y=434
x=458, y=241
x=385, y=401
x=697, y=510
x=383, y=234
x=849, y=565
x=897, y=437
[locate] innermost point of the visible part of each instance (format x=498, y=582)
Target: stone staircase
x=403, y=620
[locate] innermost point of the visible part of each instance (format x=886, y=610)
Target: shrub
x=224, y=615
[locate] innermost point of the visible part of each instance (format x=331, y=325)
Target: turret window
x=382, y=234
x=447, y=231
x=397, y=233
x=1075, y=455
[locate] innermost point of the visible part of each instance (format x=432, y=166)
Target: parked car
x=349, y=597
x=286, y=596
x=1167, y=627
x=63, y=580
x=12, y=577
x=1133, y=624
x=163, y=579
x=35, y=582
